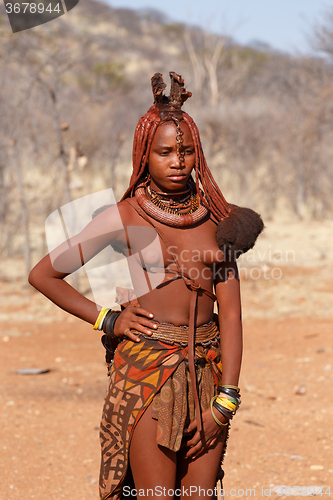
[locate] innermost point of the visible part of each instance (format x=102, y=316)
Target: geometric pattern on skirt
x=139, y=370
x=142, y=373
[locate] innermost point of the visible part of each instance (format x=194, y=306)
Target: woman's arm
x=50, y=283
x=47, y=276
x=227, y=290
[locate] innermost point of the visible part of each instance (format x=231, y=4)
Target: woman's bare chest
x=161, y=246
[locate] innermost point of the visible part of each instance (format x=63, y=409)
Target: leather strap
x=189, y=281
x=195, y=287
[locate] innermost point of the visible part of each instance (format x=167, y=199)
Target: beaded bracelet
x=221, y=424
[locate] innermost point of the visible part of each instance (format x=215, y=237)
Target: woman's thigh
x=153, y=467
x=200, y=472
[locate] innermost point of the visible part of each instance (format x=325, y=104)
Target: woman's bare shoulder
x=114, y=215
x=128, y=213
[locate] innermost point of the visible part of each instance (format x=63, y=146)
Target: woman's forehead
x=167, y=131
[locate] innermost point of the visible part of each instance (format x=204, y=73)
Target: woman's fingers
x=140, y=321
x=131, y=335
x=135, y=318
x=196, y=444
x=140, y=310
x=194, y=450
x=194, y=441
x=143, y=325
x=140, y=328
x=191, y=427
x=198, y=448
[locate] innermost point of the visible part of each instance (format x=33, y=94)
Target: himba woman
x=169, y=403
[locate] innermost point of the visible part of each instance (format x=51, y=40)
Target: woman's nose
x=176, y=162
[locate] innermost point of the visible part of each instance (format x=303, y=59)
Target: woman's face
x=168, y=173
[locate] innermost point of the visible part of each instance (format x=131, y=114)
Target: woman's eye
x=189, y=152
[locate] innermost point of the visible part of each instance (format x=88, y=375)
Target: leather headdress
x=169, y=106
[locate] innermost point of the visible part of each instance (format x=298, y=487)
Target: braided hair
x=209, y=192
x=238, y=227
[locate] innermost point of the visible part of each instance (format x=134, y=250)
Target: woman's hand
x=212, y=431
x=136, y=318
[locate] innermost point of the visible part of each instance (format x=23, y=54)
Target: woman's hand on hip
x=134, y=318
x=211, y=430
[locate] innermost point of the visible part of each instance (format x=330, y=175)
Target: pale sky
x=284, y=24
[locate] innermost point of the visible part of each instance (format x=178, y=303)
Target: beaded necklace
x=184, y=206
x=167, y=214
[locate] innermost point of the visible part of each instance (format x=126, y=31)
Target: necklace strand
x=186, y=205
x=169, y=216
x=190, y=207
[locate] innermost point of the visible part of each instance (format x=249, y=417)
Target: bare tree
x=322, y=36
x=13, y=152
x=71, y=96
x=215, y=64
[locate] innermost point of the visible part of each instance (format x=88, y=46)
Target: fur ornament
x=237, y=233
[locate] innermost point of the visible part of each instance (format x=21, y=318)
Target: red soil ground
x=282, y=434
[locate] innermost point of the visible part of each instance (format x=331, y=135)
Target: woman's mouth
x=179, y=177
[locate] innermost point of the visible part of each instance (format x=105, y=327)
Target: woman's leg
x=153, y=467
x=200, y=472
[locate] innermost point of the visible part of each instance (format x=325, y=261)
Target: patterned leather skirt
x=154, y=371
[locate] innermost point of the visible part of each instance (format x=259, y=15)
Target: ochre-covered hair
x=238, y=227
x=162, y=112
